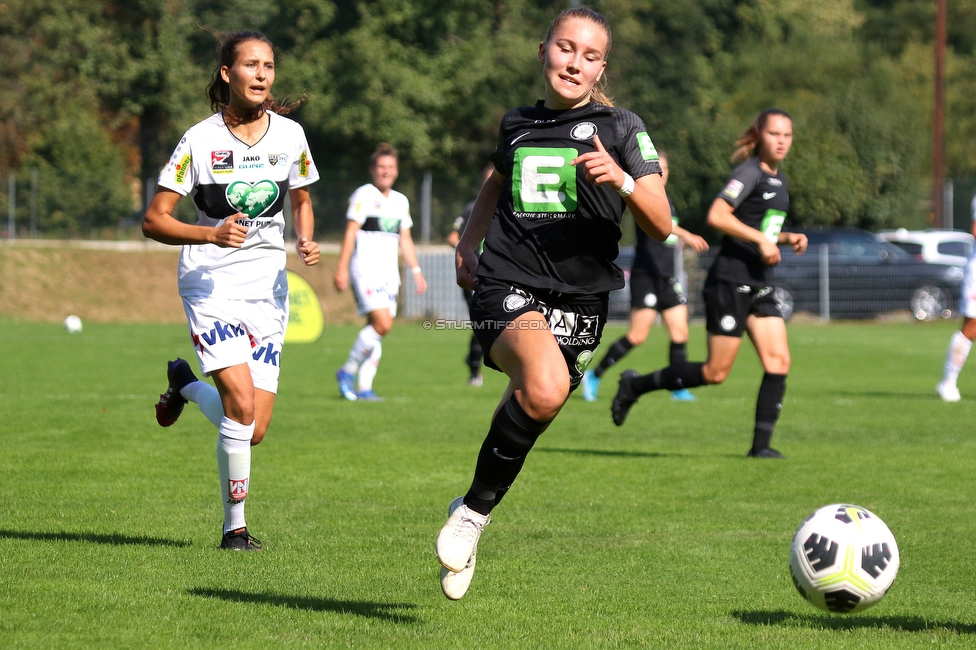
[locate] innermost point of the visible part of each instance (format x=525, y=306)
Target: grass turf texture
x=659, y=533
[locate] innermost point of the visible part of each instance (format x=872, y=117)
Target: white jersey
x=381, y=218
x=226, y=176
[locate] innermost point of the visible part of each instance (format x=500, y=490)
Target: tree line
x=97, y=92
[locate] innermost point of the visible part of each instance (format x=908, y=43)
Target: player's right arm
x=475, y=229
x=159, y=224
x=722, y=218
x=345, y=254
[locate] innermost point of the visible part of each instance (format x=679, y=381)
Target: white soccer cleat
x=458, y=539
x=949, y=393
x=455, y=584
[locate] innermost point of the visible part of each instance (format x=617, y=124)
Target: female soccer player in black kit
x=565, y=169
x=750, y=211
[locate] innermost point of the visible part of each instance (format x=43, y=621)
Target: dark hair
x=598, y=92
x=747, y=145
x=219, y=90
x=382, y=149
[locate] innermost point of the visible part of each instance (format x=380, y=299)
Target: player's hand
x=798, y=241
x=418, y=277
x=467, y=269
x=230, y=234
x=308, y=251
x=341, y=279
x=600, y=166
x=769, y=252
x=697, y=243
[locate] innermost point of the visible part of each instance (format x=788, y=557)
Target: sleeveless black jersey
x=553, y=229
x=760, y=201
x=654, y=257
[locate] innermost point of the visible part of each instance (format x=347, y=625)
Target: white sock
x=959, y=347
x=207, y=398
x=234, y=463
x=361, y=349
x=367, y=371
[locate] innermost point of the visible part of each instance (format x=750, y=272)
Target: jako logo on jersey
x=237, y=489
x=303, y=163
x=543, y=181
x=275, y=158
x=514, y=302
x=583, y=131
x=727, y=323
x=182, y=168
x=219, y=332
x=768, y=195
x=648, y=152
x=270, y=354
x=252, y=162
x=733, y=189
x=253, y=199
x=222, y=162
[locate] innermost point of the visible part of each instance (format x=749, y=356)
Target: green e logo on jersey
x=543, y=180
x=646, y=146
x=772, y=224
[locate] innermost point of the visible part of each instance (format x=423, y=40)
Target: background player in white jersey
x=565, y=171
x=962, y=341
x=654, y=288
x=378, y=224
x=238, y=164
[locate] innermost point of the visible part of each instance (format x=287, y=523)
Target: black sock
x=678, y=353
x=474, y=356
x=510, y=437
x=676, y=377
x=768, y=405
x=615, y=354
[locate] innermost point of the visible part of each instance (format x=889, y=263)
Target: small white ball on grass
x=73, y=324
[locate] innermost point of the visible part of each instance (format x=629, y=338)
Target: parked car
x=939, y=246
x=866, y=277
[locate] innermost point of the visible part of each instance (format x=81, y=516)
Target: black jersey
x=760, y=201
x=553, y=229
x=653, y=256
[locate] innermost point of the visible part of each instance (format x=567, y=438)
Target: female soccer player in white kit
x=962, y=341
x=378, y=224
x=238, y=164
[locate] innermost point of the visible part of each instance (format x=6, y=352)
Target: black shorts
x=654, y=292
x=576, y=321
x=727, y=305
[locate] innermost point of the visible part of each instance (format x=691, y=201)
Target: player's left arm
x=304, y=223
x=795, y=239
x=410, y=257
x=697, y=243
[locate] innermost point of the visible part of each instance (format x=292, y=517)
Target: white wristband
x=628, y=187
x=415, y=270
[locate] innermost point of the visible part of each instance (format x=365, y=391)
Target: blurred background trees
x=95, y=93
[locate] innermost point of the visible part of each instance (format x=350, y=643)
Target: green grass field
x=657, y=534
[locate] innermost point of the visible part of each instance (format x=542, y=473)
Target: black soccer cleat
x=240, y=540
x=624, y=398
x=768, y=452
x=171, y=403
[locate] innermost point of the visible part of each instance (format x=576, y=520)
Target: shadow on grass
x=916, y=395
x=608, y=452
x=826, y=622
x=112, y=539
x=384, y=611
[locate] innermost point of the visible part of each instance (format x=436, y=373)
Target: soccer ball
x=843, y=559
x=73, y=324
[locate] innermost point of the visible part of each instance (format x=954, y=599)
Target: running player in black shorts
x=565, y=170
x=750, y=211
x=654, y=288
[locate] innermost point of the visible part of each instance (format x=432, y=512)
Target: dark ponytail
x=219, y=90
x=747, y=145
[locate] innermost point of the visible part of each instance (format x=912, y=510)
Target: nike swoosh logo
x=495, y=451
x=517, y=138
x=768, y=195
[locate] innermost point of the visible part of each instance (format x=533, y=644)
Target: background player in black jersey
x=750, y=211
x=654, y=288
x=473, y=360
x=549, y=215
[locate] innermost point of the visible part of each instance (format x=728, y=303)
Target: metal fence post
x=33, y=203
x=11, y=207
x=425, y=206
x=825, y=282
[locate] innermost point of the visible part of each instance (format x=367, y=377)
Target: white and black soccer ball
x=73, y=324
x=843, y=559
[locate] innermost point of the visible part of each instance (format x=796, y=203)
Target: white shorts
x=967, y=297
x=229, y=333
x=372, y=295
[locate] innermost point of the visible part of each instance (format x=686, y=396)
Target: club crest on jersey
x=514, y=302
x=275, y=158
x=222, y=162
x=253, y=199
x=775, y=182
x=583, y=131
